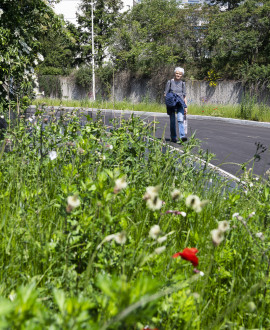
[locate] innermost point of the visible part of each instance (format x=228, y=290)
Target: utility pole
x=93, y=53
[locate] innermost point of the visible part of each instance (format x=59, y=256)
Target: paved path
x=232, y=141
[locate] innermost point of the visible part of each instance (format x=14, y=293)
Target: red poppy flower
x=188, y=254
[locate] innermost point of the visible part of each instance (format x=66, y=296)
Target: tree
x=60, y=49
x=106, y=19
x=158, y=33
x=22, y=24
x=239, y=41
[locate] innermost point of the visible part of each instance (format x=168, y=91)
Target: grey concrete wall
x=137, y=90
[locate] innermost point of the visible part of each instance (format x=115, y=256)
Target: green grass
x=61, y=268
x=246, y=110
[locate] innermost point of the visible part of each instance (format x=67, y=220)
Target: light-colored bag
x=185, y=124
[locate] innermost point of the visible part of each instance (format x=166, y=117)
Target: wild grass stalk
x=90, y=231
x=246, y=110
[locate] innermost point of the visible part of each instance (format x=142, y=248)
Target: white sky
x=69, y=7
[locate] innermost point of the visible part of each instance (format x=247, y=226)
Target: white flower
x=154, y=204
x=109, y=238
x=12, y=296
x=260, y=236
x=120, y=238
x=52, y=155
x=159, y=250
x=201, y=273
x=73, y=201
x=251, y=214
x=1, y=12
x=223, y=226
x=154, y=231
x=120, y=184
x=40, y=57
x=35, y=62
x=162, y=239
x=235, y=215
x=217, y=236
x=175, y=194
x=183, y=214
x=195, y=203
x=151, y=192
x=103, y=157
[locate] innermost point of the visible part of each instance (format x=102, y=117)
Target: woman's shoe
x=174, y=140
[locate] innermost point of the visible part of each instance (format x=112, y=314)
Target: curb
x=161, y=114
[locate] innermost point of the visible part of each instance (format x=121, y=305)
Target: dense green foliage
x=22, y=23
x=106, y=18
x=79, y=248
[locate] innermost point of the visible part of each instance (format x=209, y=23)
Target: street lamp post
x=93, y=54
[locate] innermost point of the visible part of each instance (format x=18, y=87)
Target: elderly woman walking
x=177, y=86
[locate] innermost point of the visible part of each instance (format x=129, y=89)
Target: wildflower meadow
x=106, y=227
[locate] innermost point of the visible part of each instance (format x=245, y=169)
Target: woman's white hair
x=179, y=69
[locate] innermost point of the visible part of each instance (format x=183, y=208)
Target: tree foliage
x=106, y=18
x=60, y=48
x=22, y=24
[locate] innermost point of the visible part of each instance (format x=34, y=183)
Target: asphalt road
x=233, y=142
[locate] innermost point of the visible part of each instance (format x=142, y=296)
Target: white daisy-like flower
x=223, y=226
x=159, y=250
x=154, y=204
x=235, y=215
x=120, y=184
x=175, y=194
x=154, y=231
x=52, y=155
x=73, y=201
x=217, y=236
x=1, y=12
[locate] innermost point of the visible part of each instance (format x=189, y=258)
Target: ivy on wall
x=51, y=85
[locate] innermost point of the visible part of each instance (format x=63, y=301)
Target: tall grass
x=248, y=109
x=79, y=249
